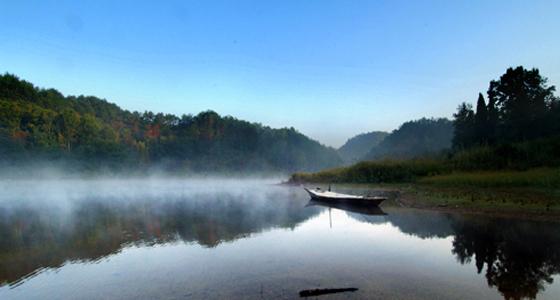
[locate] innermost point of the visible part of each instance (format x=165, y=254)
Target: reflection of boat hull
x=372, y=210
x=328, y=196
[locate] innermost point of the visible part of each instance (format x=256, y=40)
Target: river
x=170, y=238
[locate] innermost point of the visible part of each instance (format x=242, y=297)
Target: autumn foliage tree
x=43, y=124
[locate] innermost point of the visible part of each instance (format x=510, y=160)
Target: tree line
x=422, y=137
x=42, y=124
x=516, y=128
x=358, y=146
x=520, y=113
x=520, y=107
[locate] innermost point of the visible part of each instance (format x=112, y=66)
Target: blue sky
x=331, y=69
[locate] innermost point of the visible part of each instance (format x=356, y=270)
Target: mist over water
x=208, y=238
x=64, y=196
x=62, y=205
x=67, y=191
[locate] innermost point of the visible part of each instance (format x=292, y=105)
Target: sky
x=330, y=69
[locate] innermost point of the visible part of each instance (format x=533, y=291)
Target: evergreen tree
x=481, y=121
x=493, y=118
x=464, y=136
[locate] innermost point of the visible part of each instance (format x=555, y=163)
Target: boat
x=320, y=195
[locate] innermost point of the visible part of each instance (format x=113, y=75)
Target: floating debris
x=320, y=292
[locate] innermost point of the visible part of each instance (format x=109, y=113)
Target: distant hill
x=355, y=148
x=414, y=138
x=39, y=124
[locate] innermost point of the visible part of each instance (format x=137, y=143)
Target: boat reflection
x=364, y=209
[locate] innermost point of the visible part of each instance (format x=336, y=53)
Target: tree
x=464, y=136
x=43, y=123
x=522, y=98
x=67, y=123
x=13, y=88
x=553, y=120
x=493, y=117
x=481, y=121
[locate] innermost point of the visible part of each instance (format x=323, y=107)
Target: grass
x=497, y=165
x=376, y=172
x=534, y=191
x=522, y=177
x=526, y=200
x=548, y=178
x=530, y=191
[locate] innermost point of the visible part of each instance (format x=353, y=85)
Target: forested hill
x=88, y=132
x=356, y=147
x=415, y=138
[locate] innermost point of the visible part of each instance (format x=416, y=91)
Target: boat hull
x=350, y=199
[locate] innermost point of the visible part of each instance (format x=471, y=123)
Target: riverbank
x=518, y=202
x=530, y=194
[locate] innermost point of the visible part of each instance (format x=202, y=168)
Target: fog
x=63, y=200
x=48, y=222
x=62, y=194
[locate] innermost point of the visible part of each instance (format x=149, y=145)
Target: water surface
x=249, y=239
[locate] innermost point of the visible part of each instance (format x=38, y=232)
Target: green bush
x=517, y=156
x=542, y=177
x=376, y=172
x=505, y=158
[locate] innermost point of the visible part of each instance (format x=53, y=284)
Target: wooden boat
x=321, y=195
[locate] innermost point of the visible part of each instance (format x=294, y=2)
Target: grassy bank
x=534, y=192
x=516, y=201
x=524, y=163
x=545, y=178
x=386, y=171
x=465, y=181
x=526, y=202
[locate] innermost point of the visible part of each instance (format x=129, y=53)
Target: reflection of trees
x=520, y=257
x=423, y=224
x=33, y=239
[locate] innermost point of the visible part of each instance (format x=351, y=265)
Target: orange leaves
x=20, y=135
x=153, y=131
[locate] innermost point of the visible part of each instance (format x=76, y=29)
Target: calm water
x=204, y=239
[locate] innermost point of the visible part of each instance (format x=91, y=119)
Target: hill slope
x=42, y=124
x=358, y=146
x=414, y=138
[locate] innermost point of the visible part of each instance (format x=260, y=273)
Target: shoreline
x=519, y=203
x=404, y=200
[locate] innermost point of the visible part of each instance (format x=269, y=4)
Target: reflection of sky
x=551, y=291
x=375, y=258
x=227, y=238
